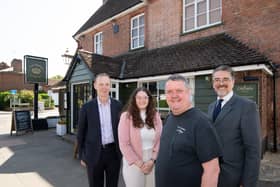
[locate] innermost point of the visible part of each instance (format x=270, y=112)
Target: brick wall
x=13, y=81
x=265, y=91
x=113, y=43
x=253, y=22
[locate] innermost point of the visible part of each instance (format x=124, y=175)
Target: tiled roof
x=201, y=54
x=107, y=10
x=196, y=55
x=59, y=84
x=52, y=82
x=99, y=64
x=3, y=65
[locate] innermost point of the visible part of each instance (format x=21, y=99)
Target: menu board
x=21, y=121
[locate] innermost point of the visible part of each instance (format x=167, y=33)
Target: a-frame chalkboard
x=21, y=121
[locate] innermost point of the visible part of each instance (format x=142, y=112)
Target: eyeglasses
x=142, y=98
x=223, y=80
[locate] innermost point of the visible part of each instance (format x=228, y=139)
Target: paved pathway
x=43, y=159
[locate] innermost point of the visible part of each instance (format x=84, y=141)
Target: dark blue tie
x=217, y=109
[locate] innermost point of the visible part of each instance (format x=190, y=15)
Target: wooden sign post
x=21, y=122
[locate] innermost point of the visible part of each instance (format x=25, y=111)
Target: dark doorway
x=81, y=94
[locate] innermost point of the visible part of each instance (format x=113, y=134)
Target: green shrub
x=49, y=102
x=4, y=100
x=163, y=104
x=43, y=96
x=26, y=96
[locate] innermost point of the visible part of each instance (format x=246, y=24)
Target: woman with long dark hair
x=139, y=134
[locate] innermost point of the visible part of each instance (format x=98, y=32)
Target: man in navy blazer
x=98, y=136
x=238, y=127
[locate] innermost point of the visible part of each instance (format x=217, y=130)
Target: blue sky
x=42, y=28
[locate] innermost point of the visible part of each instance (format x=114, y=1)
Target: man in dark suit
x=237, y=123
x=97, y=136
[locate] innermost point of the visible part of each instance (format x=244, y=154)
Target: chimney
x=17, y=65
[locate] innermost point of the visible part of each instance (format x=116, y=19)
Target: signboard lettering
x=35, y=69
x=21, y=121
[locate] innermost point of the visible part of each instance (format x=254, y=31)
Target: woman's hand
x=139, y=164
x=83, y=163
x=147, y=167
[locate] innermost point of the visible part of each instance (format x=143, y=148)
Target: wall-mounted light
x=115, y=27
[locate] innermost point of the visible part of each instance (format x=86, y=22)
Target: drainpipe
x=275, y=144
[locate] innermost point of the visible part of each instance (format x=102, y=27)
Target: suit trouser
x=108, y=164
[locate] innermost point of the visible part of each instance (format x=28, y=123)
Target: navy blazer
x=89, y=130
x=238, y=127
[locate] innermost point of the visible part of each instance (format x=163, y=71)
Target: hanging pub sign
x=35, y=69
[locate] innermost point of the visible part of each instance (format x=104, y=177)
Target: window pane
x=141, y=41
x=134, y=43
x=189, y=24
x=215, y=16
x=161, y=86
x=189, y=1
x=141, y=31
x=101, y=36
x=113, y=95
x=214, y=4
x=145, y=85
x=97, y=49
x=134, y=33
x=141, y=20
x=189, y=11
x=153, y=88
x=201, y=20
x=134, y=23
x=201, y=7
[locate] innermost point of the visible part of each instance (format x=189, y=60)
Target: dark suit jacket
x=238, y=127
x=89, y=131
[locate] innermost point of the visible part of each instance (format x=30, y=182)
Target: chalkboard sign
x=21, y=121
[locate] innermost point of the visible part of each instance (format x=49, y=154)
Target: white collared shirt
x=226, y=98
x=105, y=121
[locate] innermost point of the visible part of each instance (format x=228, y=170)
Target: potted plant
x=61, y=127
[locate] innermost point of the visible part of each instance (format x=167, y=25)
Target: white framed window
x=137, y=31
x=114, y=90
x=98, y=40
x=198, y=14
x=157, y=89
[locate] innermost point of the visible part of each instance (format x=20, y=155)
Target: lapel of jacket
x=225, y=110
x=95, y=117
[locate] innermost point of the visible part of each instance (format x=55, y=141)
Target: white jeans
x=133, y=176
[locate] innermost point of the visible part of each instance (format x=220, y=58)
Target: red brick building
x=139, y=43
x=12, y=77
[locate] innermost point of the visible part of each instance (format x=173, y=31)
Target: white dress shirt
x=105, y=121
